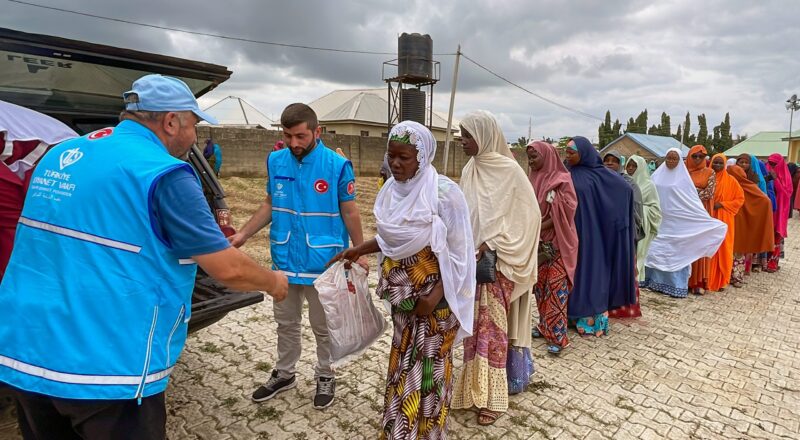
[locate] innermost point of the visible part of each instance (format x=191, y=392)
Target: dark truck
x=81, y=84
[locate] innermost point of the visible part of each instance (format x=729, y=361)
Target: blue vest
x=94, y=305
x=307, y=228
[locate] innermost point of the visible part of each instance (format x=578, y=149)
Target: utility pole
x=530, y=121
x=449, y=134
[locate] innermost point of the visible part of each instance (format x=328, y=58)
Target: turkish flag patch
x=351, y=188
x=321, y=186
x=103, y=132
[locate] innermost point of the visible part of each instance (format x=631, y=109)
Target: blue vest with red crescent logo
x=307, y=228
x=94, y=304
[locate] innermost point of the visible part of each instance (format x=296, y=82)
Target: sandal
x=487, y=417
x=535, y=333
x=554, y=349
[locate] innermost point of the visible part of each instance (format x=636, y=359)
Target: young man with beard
x=311, y=204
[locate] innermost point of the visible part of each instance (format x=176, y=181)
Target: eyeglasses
x=698, y=156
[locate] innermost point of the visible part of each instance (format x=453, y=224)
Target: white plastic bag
x=353, y=320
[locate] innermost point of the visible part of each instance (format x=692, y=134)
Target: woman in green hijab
x=636, y=167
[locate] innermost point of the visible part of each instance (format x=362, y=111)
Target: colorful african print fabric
x=739, y=265
x=420, y=377
x=552, y=294
x=483, y=382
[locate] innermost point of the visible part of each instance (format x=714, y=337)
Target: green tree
x=702, y=132
x=714, y=144
x=607, y=131
x=639, y=125
x=522, y=142
x=725, y=137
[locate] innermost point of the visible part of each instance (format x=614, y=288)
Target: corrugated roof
x=762, y=144
x=361, y=105
x=657, y=145
x=236, y=111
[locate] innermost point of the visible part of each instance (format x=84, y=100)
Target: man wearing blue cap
x=116, y=224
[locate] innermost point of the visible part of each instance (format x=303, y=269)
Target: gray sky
x=709, y=57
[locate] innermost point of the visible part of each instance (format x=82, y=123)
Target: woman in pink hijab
x=558, y=247
x=783, y=195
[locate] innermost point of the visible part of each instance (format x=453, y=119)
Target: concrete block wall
x=244, y=151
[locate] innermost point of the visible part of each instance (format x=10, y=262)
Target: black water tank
x=412, y=105
x=415, y=56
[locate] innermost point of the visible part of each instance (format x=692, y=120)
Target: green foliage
x=521, y=142
x=607, y=131
x=702, y=132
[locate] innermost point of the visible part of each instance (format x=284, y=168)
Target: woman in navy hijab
x=604, y=277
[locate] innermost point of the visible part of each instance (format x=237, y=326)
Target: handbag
x=486, y=268
x=546, y=252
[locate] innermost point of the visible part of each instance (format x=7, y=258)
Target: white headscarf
x=687, y=233
x=429, y=210
x=504, y=214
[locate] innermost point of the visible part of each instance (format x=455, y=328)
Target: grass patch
x=268, y=413
x=210, y=347
x=519, y=421
x=346, y=426
x=536, y=387
x=229, y=401
x=300, y=436
x=621, y=402
x=264, y=366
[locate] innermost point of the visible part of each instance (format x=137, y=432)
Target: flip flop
x=535, y=333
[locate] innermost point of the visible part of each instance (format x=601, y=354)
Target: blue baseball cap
x=158, y=93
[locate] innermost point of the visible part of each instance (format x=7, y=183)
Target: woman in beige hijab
x=505, y=220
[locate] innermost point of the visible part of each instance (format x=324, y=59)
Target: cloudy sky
x=710, y=56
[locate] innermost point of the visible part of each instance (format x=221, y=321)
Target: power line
x=548, y=100
x=296, y=46
x=207, y=34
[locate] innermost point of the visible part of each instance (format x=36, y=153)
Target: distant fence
x=244, y=151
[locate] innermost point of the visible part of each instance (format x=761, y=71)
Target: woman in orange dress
x=705, y=182
x=755, y=217
x=728, y=200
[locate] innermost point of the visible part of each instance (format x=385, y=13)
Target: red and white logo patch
x=103, y=132
x=351, y=188
x=321, y=186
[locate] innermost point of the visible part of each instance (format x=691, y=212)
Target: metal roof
x=236, y=111
x=762, y=144
x=657, y=145
x=369, y=106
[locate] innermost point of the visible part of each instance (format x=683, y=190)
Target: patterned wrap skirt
x=419, y=383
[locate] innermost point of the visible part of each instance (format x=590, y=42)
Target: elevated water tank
x=412, y=105
x=415, y=56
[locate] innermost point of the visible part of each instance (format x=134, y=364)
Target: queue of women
x=577, y=239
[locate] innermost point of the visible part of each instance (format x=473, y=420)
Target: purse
x=486, y=268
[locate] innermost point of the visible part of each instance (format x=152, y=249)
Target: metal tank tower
x=410, y=78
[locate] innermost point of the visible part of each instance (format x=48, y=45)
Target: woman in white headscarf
x=687, y=232
x=428, y=276
x=505, y=220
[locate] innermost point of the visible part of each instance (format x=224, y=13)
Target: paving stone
x=724, y=365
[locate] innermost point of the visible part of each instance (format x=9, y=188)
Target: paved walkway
x=722, y=366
